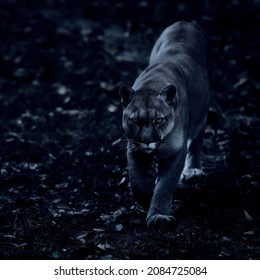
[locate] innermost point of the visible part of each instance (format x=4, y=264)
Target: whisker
x=128, y=144
x=131, y=146
x=165, y=147
x=122, y=144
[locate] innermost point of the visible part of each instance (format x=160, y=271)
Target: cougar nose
x=151, y=145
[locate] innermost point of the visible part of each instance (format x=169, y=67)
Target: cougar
x=164, y=116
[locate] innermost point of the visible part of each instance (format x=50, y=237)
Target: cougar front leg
x=193, y=159
x=138, y=167
x=168, y=177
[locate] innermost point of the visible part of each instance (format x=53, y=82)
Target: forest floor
x=64, y=190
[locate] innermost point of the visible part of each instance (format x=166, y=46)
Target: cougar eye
x=159, y=120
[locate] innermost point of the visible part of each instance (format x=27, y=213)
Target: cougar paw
x=160, y=221
x=191, y=173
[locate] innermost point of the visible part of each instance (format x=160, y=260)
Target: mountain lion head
x=148, y=117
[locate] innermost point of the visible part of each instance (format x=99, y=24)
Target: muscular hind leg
x=192, y=166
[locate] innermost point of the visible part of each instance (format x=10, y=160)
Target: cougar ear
x=169, y=94
x=126, y=93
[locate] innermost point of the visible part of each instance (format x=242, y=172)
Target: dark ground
x=63, y=178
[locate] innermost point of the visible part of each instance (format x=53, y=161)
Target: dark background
x=63, y=177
